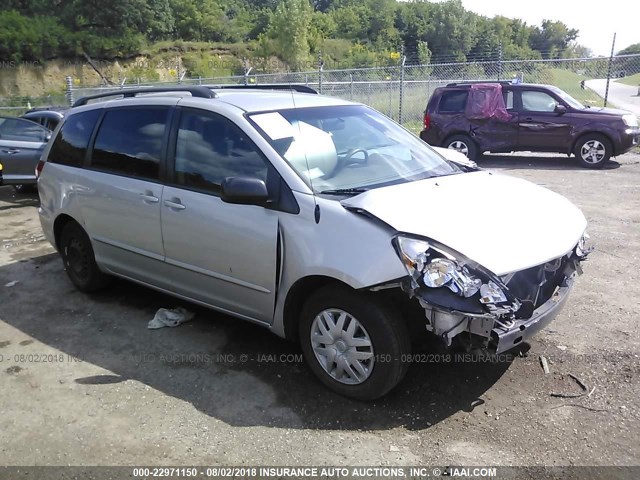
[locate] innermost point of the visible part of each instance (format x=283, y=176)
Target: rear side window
x=70, y=145
x=129, y=142
x=19, y=130
x=453, y=101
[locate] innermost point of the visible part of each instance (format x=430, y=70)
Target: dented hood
x=504, y=223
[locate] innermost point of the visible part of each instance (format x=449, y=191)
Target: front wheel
x=463, y=144
x=354, y=343
x=593, y=151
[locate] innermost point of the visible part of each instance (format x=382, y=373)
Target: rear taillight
x=39, y=168
x=427, y=120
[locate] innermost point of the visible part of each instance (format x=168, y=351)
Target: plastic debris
x=11, y=284
x=165, y=317
x=544, y=363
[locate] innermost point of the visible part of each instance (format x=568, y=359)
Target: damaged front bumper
x=479, y=309
x=506, y=337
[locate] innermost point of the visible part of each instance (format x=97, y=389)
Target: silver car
x=318, y=218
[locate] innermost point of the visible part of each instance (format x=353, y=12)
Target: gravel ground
x=84, y=382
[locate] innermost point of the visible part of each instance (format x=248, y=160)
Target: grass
x=570, y=82
x=633, y=80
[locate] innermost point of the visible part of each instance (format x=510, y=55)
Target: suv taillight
x=427, y=120
x=39, y=168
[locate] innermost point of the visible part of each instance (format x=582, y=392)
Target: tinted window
x=534, y=101
x=508, y=98
x=210, y=148
x=129, y=142
x=453, y=101
x=70, y=145
x=22, y=130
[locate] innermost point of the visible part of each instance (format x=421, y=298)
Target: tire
x=462, y=144
x=79, y=260
x=381, y=363
x=593, y=150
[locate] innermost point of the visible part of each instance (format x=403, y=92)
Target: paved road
x=621, y=95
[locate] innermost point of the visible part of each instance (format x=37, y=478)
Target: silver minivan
x=318, y=218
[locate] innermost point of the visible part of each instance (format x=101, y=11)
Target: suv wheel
x=464, y=145
x=79, y=260
x=353, y=343
x=593, y=150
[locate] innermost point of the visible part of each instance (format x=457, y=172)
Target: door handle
x=174, y=203
x=148, y=197
x=11, y=151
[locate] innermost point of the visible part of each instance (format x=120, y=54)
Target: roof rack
x=266, y=86
x=195, y=91
x=501, y=82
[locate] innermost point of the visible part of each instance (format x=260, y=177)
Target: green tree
x=290, y=25
x=630, y=50
x=552, y=38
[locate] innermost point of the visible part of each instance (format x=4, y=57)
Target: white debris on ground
x=165, y=317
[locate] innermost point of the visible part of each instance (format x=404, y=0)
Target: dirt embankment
x=46, y=78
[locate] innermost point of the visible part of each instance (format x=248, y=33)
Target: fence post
x=247, y=69
x=403, y=60
x=499, y=61
x=606, y=91
x=69, y=90
x=351, y=87
x=320, y=69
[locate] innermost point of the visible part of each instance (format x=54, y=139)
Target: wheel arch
x=593, y=132
x=58, y=225
x=298, y=294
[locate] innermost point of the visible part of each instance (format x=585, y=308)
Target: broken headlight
x=435, y=268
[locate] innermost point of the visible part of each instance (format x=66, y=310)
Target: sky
x=596, y=20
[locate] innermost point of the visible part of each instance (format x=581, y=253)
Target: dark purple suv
x=474, y=118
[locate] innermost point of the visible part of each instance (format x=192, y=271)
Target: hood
x=503, y=223
x=607, y=111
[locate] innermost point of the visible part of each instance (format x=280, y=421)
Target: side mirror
x=244, y=191
x=560, y=109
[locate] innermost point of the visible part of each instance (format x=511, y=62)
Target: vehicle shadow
x=228, y=369
x=10, y=199
x=530, y=162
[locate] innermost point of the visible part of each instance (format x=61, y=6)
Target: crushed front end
x=464, y=301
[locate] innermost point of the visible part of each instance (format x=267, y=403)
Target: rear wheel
x=79, y=259
x=463, y=144
x=353, y=343
x=593, y=151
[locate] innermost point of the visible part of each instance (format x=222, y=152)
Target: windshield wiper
x=344, y=191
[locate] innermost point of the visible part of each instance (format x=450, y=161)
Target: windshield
x=568, y=98
x=347, y=149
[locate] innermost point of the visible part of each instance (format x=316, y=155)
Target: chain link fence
x=402, y=91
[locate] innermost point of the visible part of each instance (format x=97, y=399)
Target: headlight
x=434, y=268
x=584, y=246
x=630, y=120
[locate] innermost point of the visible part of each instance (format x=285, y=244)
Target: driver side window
x=210, y=148
x=534, y=101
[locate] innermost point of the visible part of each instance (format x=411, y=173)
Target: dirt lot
x=84, y=382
